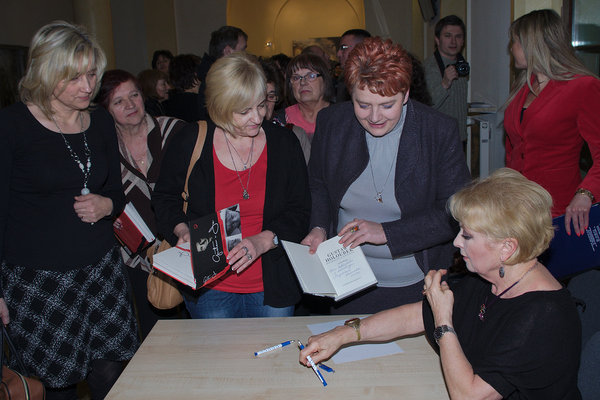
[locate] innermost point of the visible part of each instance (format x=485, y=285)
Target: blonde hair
x=547, y=49
x=507, y=205
x=59, y=51
x=233, y=84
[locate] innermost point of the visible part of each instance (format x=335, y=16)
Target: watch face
x=275, y=240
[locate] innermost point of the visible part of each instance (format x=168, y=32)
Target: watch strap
x=441, y=331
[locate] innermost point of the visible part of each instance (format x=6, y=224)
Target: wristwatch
x=354, y=323
x=441, y=331
x=275, y=240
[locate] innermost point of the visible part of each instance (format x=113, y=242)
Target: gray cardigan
x=429, y=169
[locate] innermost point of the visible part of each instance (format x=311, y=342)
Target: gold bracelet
x=587, y=193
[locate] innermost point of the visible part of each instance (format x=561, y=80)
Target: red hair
x=383, y=67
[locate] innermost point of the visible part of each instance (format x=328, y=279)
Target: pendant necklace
x=245, y=164
x=88, y=165
x=378, y=193
x=245, y=193
x=484, y=307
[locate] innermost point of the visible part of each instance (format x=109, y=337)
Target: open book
x=569, y=255
x=132, y=231
x=333, y=271
x=204, y=259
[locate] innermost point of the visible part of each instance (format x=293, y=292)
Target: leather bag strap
x=202, y=128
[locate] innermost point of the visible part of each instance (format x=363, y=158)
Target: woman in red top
x=244, y=161
x=554, y=107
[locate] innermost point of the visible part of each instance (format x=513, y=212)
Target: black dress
x=62, y=279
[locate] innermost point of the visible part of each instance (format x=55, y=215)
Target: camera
x=462, y=66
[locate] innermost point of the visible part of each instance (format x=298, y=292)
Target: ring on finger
x=245, y=249
x=249, y=257
x=355, y=228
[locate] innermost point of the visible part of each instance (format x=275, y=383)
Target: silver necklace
x=88, y=165
x=245, y=193
x=238, y=154
x=378, y=193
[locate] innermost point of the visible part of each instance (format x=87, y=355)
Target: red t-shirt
x=228, y=192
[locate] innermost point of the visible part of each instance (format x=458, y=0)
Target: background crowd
x=368, y=148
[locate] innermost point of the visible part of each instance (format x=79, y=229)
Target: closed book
x=132, y=231
x=571, y=254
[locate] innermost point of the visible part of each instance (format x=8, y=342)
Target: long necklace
x=245, y=163
x=484, y=307
x=379, y=193
x=88, y=165
x=245, y=193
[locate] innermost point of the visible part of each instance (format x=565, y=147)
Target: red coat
x=546, y=145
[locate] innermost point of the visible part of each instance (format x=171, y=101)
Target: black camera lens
x=462, y=67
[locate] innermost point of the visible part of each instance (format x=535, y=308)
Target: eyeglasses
x=272, y=97
x=310, y=77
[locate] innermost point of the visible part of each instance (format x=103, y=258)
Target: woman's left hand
x=440, y=297
x=361, y=231
x=92, y=207
x=578, y=211
x=248, y=250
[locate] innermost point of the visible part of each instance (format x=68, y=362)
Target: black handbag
x=15, y=385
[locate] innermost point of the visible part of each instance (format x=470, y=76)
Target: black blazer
x=430, y=168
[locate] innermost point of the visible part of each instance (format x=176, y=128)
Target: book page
x=177, y=263
x=347, y=268
x=309, y=270
x=139, y=222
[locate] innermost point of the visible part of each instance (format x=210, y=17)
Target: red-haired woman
x=382, y=168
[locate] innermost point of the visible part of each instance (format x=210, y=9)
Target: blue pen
x=280, y=345
x=313, y=366
x=326, y=368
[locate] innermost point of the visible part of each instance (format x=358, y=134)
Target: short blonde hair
x=232, y=84
x=507, y=205
x=59, y=51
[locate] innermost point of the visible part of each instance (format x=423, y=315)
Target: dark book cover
x=211, y=237
x=129, y=233
x=569, y=255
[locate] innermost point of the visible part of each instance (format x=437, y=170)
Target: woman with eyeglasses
x=308, y=88
x=273, y=97
x=381, y=170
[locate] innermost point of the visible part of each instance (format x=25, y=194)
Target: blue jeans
x=218, y=304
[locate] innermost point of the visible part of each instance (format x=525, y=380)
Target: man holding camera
x=446, y=71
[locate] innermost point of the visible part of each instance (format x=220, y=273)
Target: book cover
x=333, y=271
x=204, y=259
x=131, y=230
x=568, y=255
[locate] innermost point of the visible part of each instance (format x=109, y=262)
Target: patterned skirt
x=61, y=321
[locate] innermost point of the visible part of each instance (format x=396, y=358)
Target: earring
x=501, y=271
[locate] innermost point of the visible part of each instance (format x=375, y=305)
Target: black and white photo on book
x=204, y=259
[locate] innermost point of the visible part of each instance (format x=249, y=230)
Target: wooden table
x=214, y=359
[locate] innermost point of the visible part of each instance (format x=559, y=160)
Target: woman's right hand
x=314, y=238
x=323, y=346
x=182, y=231
x=4, y=312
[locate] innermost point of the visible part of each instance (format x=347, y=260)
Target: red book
x=132, y=231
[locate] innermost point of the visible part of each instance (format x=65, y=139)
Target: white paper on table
x=356, y=352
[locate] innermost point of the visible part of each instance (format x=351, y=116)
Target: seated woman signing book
x=244, y=161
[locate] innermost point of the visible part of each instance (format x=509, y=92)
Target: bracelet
x=321, y=228
x=586, y=193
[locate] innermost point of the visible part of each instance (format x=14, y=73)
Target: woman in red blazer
x=554, y=107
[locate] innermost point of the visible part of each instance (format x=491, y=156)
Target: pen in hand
x=312, y=365
x=278, y=346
